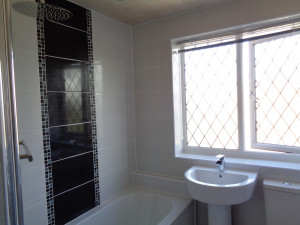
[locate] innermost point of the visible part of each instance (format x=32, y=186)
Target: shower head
x=35, y=9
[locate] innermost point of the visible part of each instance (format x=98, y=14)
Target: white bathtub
x=137, y=206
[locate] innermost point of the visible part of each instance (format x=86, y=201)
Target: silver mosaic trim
x=45, y=116
x=93, y=106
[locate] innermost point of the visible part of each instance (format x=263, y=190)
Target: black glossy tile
x=65, y=42
x=71, y=140
x=68, y=108
x=67, y=75
x=71, y=172
x=79, y=19
x=73, y=203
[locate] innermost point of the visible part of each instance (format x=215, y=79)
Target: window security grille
x=210, y=75
x=277, y=90
x=211, y=97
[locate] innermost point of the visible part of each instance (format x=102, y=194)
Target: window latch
x=252, y=96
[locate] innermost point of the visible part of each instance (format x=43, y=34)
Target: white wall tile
x=113, y=79
x=164, y=184
x=145, y=33
x=107, y=52
x=147, y=103
x=114, y=183
x=165, y=53
x=33, y=185
x=152, y=51
x=145, y=56
x=146, y=80
x=105, y=27
x=33, y=138
x=114, y=104
x=36, y=214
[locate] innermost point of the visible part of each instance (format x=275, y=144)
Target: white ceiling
x=134, y=12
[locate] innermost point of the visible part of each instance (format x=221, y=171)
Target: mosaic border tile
x=93, y=106
x=45, y=116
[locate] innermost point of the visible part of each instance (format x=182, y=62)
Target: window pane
x=277, y=74
x=211, y=97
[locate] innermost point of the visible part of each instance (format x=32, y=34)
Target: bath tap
x=221, y=162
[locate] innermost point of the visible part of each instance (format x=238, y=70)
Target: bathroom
x=131, y=122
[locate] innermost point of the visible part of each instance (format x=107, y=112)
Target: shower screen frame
x=9, y=148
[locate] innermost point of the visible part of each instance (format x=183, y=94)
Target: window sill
x=242, y=161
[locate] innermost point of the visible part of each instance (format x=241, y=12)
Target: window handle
x=252, y=96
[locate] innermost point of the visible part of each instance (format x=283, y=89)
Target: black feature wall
x=68, y=113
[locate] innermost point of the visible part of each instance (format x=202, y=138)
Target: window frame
x=239, y=100
x=251, y=149
x=252, y=80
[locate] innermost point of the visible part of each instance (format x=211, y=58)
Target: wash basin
x=228, y=187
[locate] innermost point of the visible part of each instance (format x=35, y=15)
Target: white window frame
x=251, y=151
x=240, y=115
x=252, y=77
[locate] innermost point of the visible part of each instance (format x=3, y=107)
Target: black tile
x=71, y=172
x=79, y=19
x=73, y=203
x=71, y=140
x=67, y=75
x=65, y=42
x=68, y=108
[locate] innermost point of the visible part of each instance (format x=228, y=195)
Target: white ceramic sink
x=229, y=187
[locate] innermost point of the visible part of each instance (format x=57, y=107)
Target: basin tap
x=221, y=162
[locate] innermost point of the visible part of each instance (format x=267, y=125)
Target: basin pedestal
x=219, y=214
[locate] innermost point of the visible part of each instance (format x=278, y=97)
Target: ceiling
x=134, y=12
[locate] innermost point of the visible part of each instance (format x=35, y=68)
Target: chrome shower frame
x=9, y=148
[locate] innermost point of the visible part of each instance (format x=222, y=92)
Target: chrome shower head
x=34, y=9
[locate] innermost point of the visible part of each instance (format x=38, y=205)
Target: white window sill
x=243, y=162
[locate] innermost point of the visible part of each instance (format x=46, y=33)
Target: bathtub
x=137, y=206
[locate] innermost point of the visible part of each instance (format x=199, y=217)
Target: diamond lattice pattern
x=211, y=97
x=73, y=79
x=277, y=71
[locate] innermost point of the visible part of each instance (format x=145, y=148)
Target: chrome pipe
x=8, y=124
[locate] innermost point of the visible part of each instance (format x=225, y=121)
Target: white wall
x=114, y=103
x=153, y=90
x=114, y=109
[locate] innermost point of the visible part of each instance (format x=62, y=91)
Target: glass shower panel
x=2, y=196
x=28, y=102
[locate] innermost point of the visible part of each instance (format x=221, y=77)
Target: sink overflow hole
x=220, y=176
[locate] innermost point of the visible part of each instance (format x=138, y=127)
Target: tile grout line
x=69, y=59
x=61, y=24
x=73, y=124
x=74, y=188
x=73, y=156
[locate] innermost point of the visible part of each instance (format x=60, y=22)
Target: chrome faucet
x=221, y=162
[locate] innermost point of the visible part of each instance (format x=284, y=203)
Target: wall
x=114, y=109
x=153, y=90
x=114, y=104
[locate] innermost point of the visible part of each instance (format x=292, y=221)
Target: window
x=211, y=97
x=242, y=87
x=276, y=87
